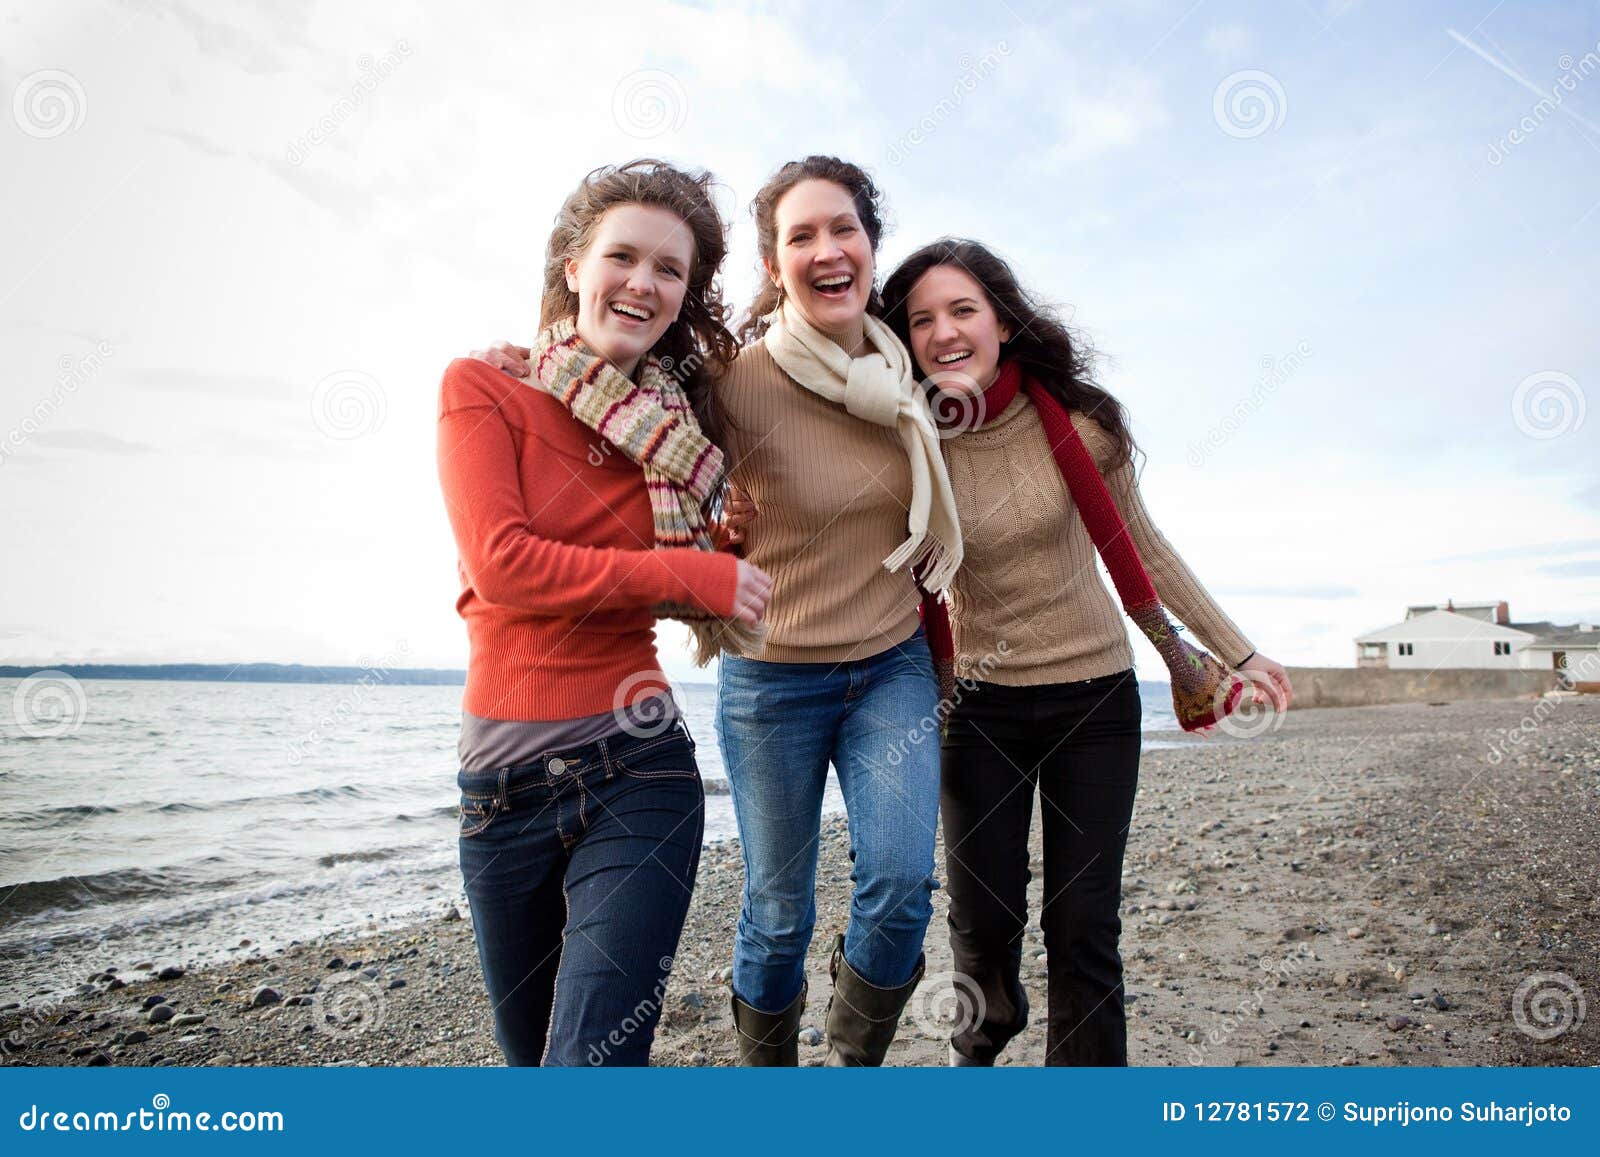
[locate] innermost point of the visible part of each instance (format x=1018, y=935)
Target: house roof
x=1568, y=638
x=1439, y=626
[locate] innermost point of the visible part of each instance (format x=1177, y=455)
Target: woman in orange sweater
x=579, y=503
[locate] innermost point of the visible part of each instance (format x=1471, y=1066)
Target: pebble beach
x=1411, y=884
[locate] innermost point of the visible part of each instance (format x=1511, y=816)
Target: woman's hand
x=739, y=510
x=750, y=593
x=1268, y=681
x=505, y=357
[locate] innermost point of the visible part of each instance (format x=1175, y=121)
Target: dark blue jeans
x=578, y=870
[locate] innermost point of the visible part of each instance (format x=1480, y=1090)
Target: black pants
x=1078, y=743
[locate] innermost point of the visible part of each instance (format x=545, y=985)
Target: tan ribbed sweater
x=832, y=491
x=1029, y=577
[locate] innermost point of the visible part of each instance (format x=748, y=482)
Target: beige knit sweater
x=1029, y=577
x=832, y=491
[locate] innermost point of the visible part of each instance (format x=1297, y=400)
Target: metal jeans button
x=557, y=766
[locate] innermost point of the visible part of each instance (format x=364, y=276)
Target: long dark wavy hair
x=697, y=348
x=854, y=180
x=1040, y=342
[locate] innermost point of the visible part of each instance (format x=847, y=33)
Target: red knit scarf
x=1203, y=690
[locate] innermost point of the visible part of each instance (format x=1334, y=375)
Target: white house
x=1481, y=635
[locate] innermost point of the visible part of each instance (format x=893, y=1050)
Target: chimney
x=1450, y=605
x=1502, y=613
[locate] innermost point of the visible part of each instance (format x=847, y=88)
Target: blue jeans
x=578, y=870
x=780, y=724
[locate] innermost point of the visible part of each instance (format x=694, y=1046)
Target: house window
x=1502, y=648
x=1403, y=648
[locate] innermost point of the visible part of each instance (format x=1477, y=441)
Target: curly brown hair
x=853, y=179
x=698, y=347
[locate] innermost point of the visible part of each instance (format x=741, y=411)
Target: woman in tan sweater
x=1050, y=701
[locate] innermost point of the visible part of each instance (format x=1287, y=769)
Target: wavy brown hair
x=1040, y=342
x=698, y=347
x=853, y=179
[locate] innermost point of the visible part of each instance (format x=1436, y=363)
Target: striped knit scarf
x=652, y=423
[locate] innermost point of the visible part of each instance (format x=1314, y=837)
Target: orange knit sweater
x=558, y=566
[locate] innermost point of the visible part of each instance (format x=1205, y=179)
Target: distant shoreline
x=257, y=673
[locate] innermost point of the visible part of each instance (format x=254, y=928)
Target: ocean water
x=174, y=820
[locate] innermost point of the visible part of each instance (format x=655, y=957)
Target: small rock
x=1398, y=1023
x=336, y=962
x=170, y=972
x=699, y=1059
x=693, y=1000
x=452, y=915
x=1441, y=1002
x=162, y=1013
x=810, y=1036
x=188, y=1018
x=1357, y=933
x=371, y=973
x=264, y=996
x=151, y=1001
x=99, y=1060
x=397, y=982
x=137, y=1037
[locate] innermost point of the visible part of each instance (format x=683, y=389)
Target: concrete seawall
x=1365, y=686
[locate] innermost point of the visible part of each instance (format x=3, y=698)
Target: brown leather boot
x=861, y=1016
x=769, y=1038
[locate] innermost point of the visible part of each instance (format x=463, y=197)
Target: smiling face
x=631, y=281
x=955, y=332
x=824, y=258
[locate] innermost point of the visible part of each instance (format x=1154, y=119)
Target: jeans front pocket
x=477, y=815
x=669, y=757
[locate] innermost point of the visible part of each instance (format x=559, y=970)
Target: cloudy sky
x=1341, y=260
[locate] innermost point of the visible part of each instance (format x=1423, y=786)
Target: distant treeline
x=251, y=673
